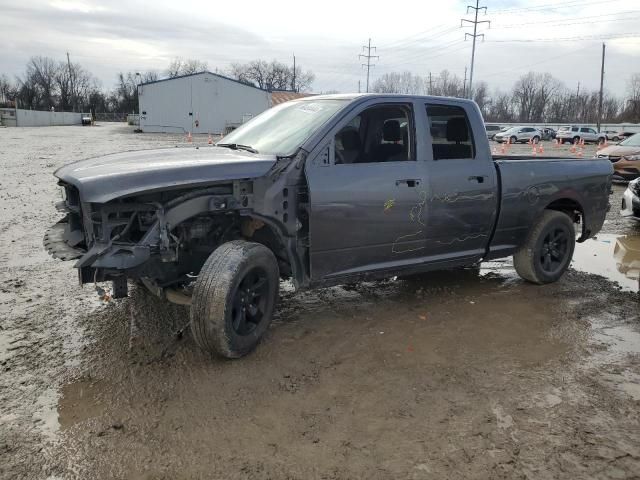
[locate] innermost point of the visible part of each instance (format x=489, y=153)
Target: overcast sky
x=560, y=37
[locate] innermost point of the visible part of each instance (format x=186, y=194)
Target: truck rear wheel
x=234, y=298
x=548, y=249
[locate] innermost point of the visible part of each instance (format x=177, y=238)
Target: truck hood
x=102, y=179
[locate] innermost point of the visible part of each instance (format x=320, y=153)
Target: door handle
x=409, y=182
x=477, y=178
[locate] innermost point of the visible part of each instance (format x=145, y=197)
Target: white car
x=573, y=134
x=631, y=200
x=519, y=135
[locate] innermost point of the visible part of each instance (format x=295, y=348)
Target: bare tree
x=631, y=112
x=404, y=82
x=180, y=66
x=272, y=75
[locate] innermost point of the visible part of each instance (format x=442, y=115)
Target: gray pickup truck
x=321, y=191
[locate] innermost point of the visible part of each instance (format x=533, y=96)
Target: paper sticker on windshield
x=310, y=107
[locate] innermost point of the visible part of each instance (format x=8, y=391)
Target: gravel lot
x=472, y=374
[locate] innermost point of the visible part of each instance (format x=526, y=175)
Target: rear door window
x=451, y=135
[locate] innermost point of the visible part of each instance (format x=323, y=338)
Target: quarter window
x=451, y=136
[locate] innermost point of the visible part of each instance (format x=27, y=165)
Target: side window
x=378, y=134
x=585, y=130
x=450, y=132
x=574, y=129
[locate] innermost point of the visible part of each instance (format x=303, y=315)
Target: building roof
x=202, y=73
x=278, y=97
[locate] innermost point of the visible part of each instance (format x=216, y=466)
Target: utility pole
x=368, y=56
x=464, y=83
x=601, y=88
x=475, y=35
x=293, y=83
x=430, y=84
x=358, y=86
x=73, y=107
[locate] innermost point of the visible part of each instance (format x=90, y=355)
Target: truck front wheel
x=548, y=249
x=234, y=298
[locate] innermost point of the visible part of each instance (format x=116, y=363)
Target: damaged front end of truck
x=162, y=234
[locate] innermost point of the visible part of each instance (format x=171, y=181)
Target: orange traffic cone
x=210, y=142
x=556, y=143
x=573, y=147
x=189, y=138
x=540, y=149
x=579, y=153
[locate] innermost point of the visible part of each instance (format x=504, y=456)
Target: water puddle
x=612, y=256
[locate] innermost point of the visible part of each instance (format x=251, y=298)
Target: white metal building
x=198, y=103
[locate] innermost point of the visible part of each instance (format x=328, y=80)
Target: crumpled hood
x=101, y=179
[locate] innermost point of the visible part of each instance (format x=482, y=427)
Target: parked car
x=519, y=135
x=631, y=200
x=322, y=191
x=625, y=157
x=548, y=133
x=86, y=120
x=573, y=134
x=492, y=130
x=621, y=136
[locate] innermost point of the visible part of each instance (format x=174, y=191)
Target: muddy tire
x=234, y=298
x=548, y=249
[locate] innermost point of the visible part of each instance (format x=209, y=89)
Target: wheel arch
x=573, y=208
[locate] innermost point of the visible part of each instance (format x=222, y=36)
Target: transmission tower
x=474, y=35
x=368, y=56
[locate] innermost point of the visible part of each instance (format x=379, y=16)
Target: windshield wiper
x=237, y=146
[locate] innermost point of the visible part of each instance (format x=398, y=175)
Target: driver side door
x=368, y=194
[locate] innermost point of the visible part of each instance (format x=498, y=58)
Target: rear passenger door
x=462, y=176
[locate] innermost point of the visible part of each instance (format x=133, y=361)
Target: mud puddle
x=615, y=257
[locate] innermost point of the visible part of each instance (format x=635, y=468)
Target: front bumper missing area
x=55, y=242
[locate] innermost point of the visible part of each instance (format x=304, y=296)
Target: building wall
x=214, y=103
x=40, y=118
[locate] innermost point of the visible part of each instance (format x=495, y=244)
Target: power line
x=368, y=56
x=553, y=6
x=475, y=35
x=582, y=37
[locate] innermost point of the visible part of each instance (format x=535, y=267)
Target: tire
x=576, y=139
x=513, y=139
x=529, y=261
x=616, y=139
x=536, y=139
x=234, y=298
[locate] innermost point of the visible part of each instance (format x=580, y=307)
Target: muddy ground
x=473, y=374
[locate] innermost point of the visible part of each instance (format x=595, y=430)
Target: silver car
x=573, y=134
x=519, y=135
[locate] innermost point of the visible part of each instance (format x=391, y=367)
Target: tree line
x=65, y=86
x=534, y=98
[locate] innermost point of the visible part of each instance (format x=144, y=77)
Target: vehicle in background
x=86, y=119
x=625, y=157
x=492, y=130
x=519, y=135
x=322, y=191
x=573, y=134
x=612, y=135
x=631, y=201
x=622, y=136
x=548, y=133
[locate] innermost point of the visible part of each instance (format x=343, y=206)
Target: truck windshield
x=282, y=129
x=632, y=141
